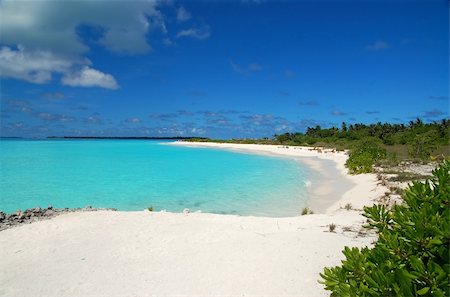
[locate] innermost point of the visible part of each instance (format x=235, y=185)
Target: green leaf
x=423, y=291
x=410, y=257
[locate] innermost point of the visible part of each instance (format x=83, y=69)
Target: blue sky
x=219, y=69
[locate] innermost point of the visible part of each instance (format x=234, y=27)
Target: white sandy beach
x=108, y=253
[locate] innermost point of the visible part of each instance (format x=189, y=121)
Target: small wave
x=308, y=183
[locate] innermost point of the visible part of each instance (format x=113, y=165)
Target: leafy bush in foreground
x=411, y=256
x=363, y=156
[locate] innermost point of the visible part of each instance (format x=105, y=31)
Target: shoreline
x=356, y=190
x=137, y=253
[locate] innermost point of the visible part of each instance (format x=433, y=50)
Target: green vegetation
x=150, y=208
x=381, y=144
x=422, y=145
x=417, y=133
x=411, y=256
x=306, y=211
x=363, y=156
x=348, y=206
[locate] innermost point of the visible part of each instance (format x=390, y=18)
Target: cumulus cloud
x=52, y=24
x=36, y=67
x=183, y=15
x=88, y=77
x=43, y=37
x=378, y=45
x=197, y=33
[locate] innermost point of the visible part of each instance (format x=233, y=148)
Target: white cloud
x=378, y=45
x=52, y=24
x=196, y=33
x=35, y=67
x=38, y=67
x=182, y=14
x=88, y=77
x=42, y=37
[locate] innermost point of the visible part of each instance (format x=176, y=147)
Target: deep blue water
x=134, y=174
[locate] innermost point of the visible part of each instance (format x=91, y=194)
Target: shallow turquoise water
x=134, y=174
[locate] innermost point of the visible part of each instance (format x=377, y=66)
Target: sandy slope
x=165, y=254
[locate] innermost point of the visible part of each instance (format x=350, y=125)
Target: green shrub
x=363, y=156
x=411, y=256
x=306, y=211
x=422, y=146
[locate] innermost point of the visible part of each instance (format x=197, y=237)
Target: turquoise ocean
x=136, y=174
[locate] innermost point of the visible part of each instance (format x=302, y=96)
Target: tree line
x=385, y=133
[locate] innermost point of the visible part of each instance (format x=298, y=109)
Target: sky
x=221, y=69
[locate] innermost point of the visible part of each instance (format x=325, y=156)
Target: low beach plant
x=306, y=211
x=331, y=227
x=348, y=206
x=411, y=255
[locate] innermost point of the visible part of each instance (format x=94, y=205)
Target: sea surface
x=136, y=174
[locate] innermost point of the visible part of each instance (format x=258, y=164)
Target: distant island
x=126, y=137
x=10, y=137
